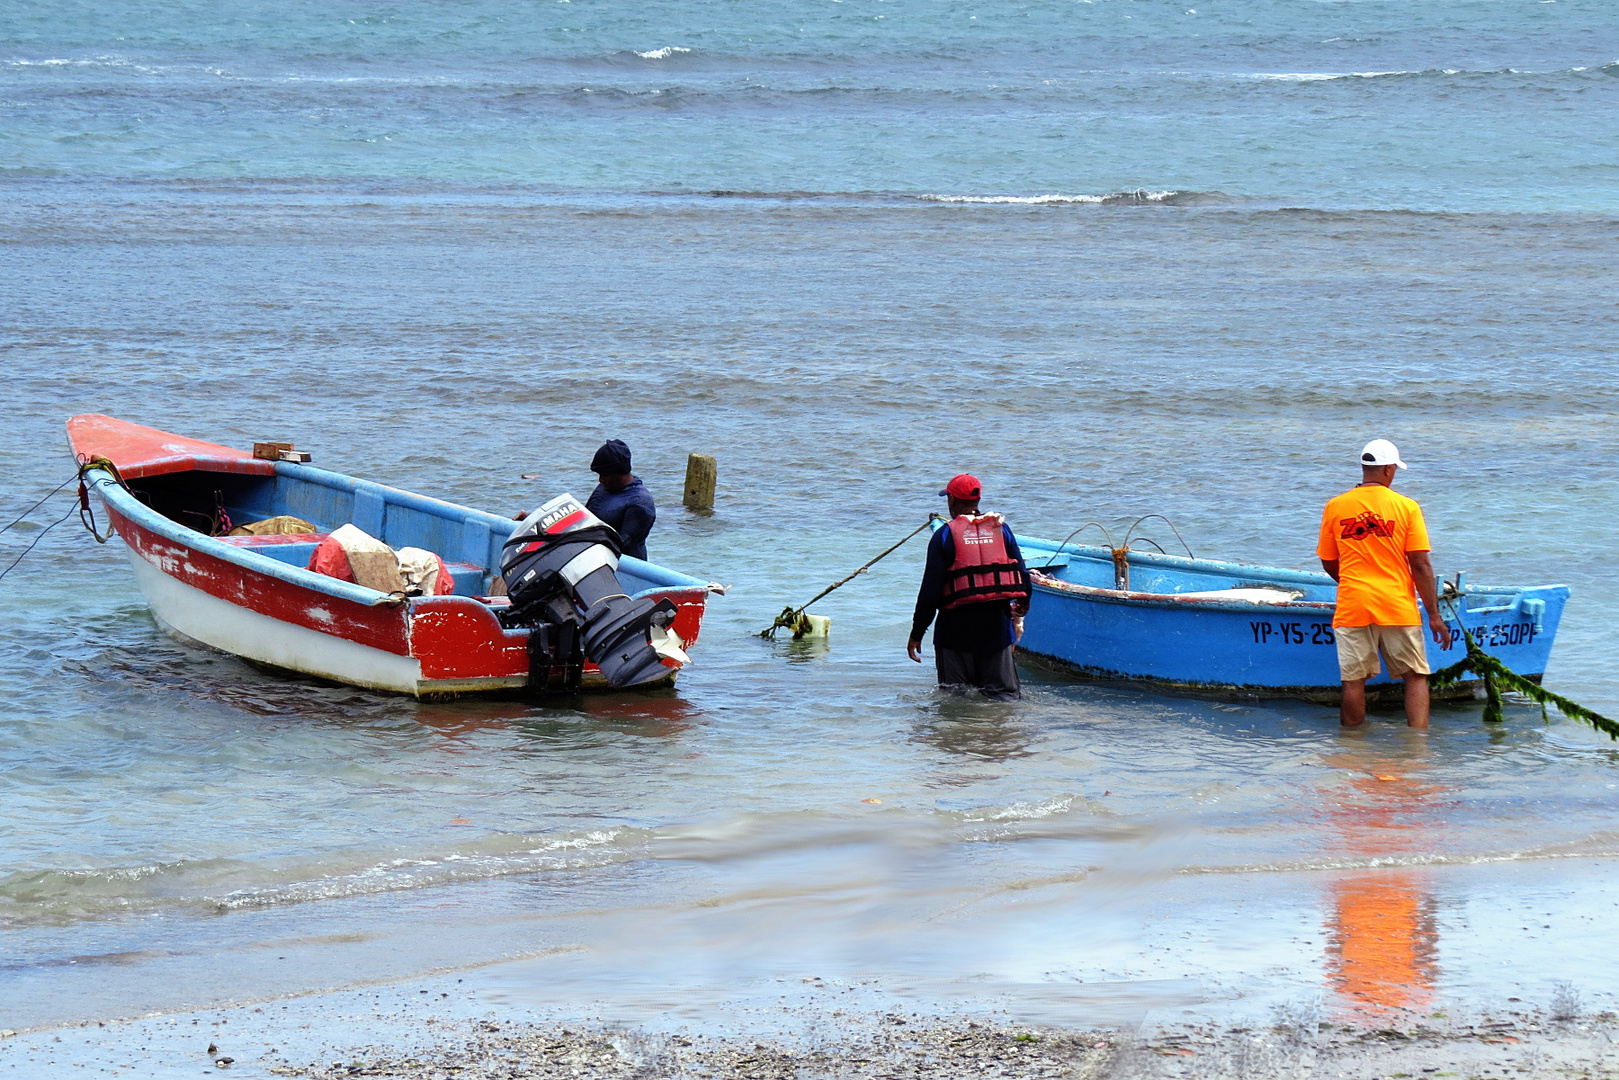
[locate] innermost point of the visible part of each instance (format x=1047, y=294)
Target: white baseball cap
x=1381, y=452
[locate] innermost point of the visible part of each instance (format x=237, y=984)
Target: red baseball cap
x=963, y=486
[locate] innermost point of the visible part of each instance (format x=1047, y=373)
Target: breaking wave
x=1323, y=76
x=1139, y=197
x=75, y=61
x=57, y=897
x=1422, y=73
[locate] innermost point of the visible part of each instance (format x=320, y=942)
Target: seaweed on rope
x=1497, y=675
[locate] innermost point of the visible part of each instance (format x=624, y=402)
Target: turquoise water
x=1504, y=106
x=1115, y=258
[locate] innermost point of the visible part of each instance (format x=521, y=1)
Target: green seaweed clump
x=1497, y=675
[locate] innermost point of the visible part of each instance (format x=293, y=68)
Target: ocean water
x=1116, y=258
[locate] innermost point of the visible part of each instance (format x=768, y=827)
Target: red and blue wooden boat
x=251, y=596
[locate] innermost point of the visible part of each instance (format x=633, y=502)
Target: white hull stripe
x=222, y=625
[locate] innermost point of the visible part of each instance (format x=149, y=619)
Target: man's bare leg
x=1416, y=701
x=1352, y=712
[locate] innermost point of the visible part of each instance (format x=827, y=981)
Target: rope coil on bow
x=87, y=513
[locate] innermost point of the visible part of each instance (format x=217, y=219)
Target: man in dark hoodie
x=620, y=499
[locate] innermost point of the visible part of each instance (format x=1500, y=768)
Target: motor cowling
x=560, y=565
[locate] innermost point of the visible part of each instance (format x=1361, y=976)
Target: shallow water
x=197, y=235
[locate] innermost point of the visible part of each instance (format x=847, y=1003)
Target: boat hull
x=195, y=617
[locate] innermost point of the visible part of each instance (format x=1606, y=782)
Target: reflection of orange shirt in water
x=1382, y=928
x=1383, y=940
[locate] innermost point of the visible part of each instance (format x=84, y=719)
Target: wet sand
x=893, y=1047
x=887, y=1046
x=438, y=1028
x=1531, y=1044
x=1468, y=971
x=424, y=1030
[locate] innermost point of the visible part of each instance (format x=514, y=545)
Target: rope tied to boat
x=794, y=619
x=1496, y=675
x=87, y=512
x=82, y=505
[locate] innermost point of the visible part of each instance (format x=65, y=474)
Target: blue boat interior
x=468, y=540
x=1174, y=575
x=1150, y=572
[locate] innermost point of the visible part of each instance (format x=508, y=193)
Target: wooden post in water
x=701, y=472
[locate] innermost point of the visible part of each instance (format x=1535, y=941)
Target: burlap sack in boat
x=424, y=573
x=280, y=525
x=371, y=562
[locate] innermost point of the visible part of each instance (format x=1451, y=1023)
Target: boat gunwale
x=1048, y=583
x=467, y=514
x=120, y=499
x=1278, y=574
x=1159, y=558
x=1272, y=574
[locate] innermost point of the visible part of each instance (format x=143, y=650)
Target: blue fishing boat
x=1198, y=625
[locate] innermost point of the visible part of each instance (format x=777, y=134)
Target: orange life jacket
x=982, y=570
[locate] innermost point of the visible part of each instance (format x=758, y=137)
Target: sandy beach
x=437, y=1029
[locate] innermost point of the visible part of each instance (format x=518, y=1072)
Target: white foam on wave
x=1022, y=811
x=663, y=53
x=1325, y=76
x=1030, y=200
x=229, y=884
x=83, y=61
x=1048, y=200
x=1328, y=76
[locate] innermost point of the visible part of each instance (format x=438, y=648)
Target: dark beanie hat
x=612, y=459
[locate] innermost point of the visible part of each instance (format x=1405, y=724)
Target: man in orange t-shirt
x=1374, y=543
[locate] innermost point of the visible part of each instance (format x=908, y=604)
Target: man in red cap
x=976, y=581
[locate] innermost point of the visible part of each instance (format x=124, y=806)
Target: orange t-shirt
x=1369, y=530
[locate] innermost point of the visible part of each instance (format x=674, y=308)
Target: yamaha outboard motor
x=560, y=569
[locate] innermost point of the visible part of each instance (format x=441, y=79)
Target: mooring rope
x=1496, y=674
x=40, y=503
x=794, y=619
x=86, y=512
x=38, y=538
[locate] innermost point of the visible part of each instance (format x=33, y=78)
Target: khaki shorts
x=1402, y=647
